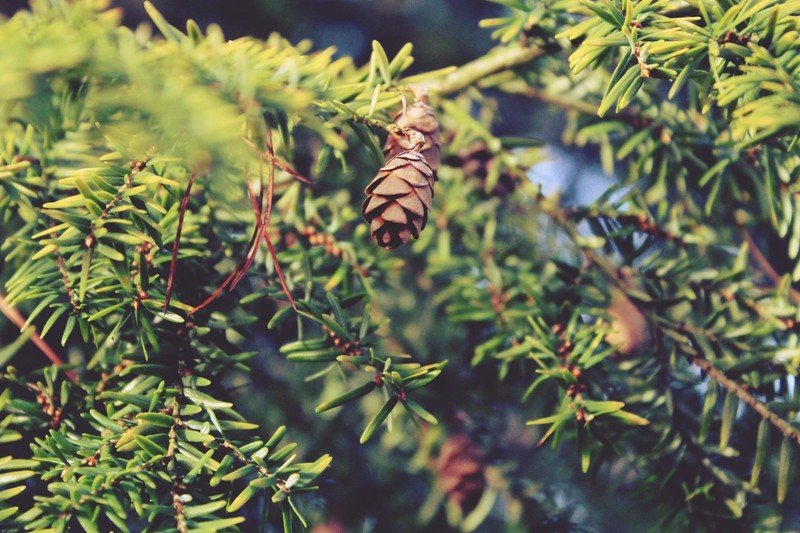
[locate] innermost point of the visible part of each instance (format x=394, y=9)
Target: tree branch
x=719, y=376
x=561, y=100
x=501, y=58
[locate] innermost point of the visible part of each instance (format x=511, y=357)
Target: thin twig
x=719, y=376
x=765, y=265
x=262, y=215
x=271, y=181
x=245, y=265
x=278, y=271
x=174, y=262
x=65, y=278
x=18, y=320
x=136, y=167
x=278, y=163
x=216, y=293
x=242, y=265
x=178, y=488
x=177, y=492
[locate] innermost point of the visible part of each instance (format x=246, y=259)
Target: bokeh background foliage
x=606, y=346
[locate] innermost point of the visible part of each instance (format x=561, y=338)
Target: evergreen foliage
x=182, y=222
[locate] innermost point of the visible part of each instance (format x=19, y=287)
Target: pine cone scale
x=392, y=187
x=412, y=175
x=417, y=225
x=372, y=203
x=426, y=195
x=413, y=203
x=395, y=213
x=424, y=168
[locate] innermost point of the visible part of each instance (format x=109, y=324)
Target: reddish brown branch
x=261, y=220
x=18, y=320
x=248, y=259
x=271, y=156
x=216, y=293
x=279, y=271
x=276, y=161
x=734, y=388
x=765, y=265
x=271, y=182
x=262, y=213
x=174, y=262
x=233, y=277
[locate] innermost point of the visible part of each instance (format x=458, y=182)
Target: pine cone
x=461, y=471
x=398, y=199
x=475, y=161
x=421, y=117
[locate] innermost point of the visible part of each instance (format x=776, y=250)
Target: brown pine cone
x=475, y=160
x=460, y=471
x=398, y=199
x=421, y=117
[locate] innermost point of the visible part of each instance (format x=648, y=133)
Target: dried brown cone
x=421, y=117
x=399, y=198
x=476, y=160
x=460, y=471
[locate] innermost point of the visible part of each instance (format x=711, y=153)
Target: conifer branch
x=562, y=218
x=499, y=59
x=741, y=392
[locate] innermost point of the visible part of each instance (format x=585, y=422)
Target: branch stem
x=175, y=246
x=734, y=388
x=18, y=320
x=499, y=59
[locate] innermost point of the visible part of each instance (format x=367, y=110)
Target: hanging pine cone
x=398, y=199
x=460, y=471
x=421, y=117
